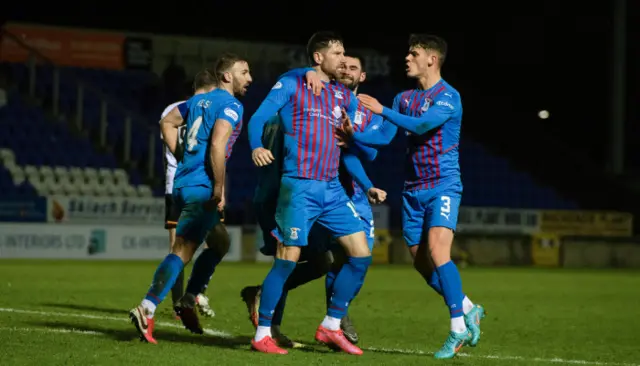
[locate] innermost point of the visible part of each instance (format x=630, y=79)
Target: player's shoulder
x=288, y=82
x=449, y=91
x=170, y=107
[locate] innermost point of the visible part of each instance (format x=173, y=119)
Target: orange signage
x=65, y=47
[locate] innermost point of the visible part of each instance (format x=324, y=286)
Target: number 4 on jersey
x=192, y=140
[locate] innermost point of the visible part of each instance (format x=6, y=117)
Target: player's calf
x=272, y=288
x=347, y=283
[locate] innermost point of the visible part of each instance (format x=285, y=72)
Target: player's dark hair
x=430, y=42
x=360, y=58
x=320, y=41
x=204, y=79
x=224, y=63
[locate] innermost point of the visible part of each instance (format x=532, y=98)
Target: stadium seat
x=488, y=179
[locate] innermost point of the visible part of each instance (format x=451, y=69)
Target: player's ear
x=227, y=77
x=317, y=57
x=363, y=76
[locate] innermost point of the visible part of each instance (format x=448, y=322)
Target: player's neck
x=228, y=88
x=428, y=80
x=355, y=90
x=321, y=74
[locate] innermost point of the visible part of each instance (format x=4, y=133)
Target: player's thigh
x=319, y=242
x=218, y=239
x=366, y=216
x=299, y=205
x=443, y=207
x=195, y=222
x=339, y=214
x=414, y=211
x=266, y=217
x=171, y=212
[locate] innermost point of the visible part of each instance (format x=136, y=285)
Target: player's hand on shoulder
x=261, y=156
x=313, y=82
x=370, y=103
x=376, y=195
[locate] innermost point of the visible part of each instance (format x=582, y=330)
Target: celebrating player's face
x=417, y=62
x=351, y=74
x=241, y=77
x=333, y=59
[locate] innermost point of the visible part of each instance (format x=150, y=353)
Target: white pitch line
x=224, y=334
x=213, y=332
x=51, y=330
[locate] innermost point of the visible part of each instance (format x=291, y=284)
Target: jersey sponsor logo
x=358, y=118
x=231, y=114
x=445, y=104
x=426, y=105
x=337, y=112
x=338, y=94
x=277, y=86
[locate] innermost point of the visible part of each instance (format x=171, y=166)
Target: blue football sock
x=434, y=282
x=164, y=278
x=272, y=289
x=329, y=280
x=279, y=312
x=451, y=288
x=202, y=271
x=349, y=279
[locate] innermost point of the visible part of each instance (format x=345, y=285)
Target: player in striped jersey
x=310, y=190
x=312, y=263
x=432, y=115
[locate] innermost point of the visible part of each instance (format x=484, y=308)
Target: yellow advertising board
x=586, y=223
x=545, y=250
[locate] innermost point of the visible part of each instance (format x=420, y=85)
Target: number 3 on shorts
x=445, y=209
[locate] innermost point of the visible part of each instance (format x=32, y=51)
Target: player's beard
x=349, y=83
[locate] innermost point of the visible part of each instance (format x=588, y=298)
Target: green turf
x=535, y=316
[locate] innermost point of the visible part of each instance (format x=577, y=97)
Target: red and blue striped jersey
x=309, y=122
x=232, y=139
x=433, y=155
x=362, y=120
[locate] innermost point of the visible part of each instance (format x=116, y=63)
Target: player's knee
x=288, y=252
x=184, y=248
x=440, y=241
x=218, y=240
x=422, y=263
x=355, y=245
x=339, y=258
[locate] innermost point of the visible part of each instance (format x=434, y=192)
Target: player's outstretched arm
x=311, y=76
x=378, y=133
x=276, y=99
x=443, y=108
x=169, y=126
x=345, y=133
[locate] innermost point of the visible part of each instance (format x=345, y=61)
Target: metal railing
x=37, y=61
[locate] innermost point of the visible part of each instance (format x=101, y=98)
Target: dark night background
x=508, y=60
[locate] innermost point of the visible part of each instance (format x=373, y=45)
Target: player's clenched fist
x=376, y=196
x=261, y=156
